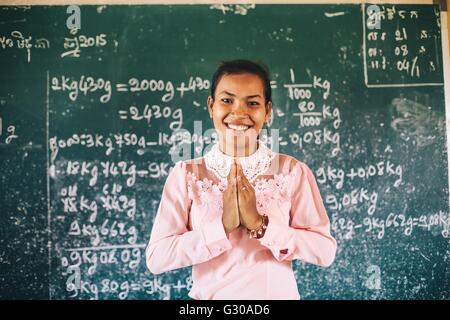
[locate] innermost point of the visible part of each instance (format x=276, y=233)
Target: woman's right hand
x=230, y=217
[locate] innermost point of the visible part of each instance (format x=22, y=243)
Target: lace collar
x=254, y=165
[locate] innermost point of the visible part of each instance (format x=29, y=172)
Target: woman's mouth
x=237, y=127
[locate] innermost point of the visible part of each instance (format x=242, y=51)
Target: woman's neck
x=236, y=150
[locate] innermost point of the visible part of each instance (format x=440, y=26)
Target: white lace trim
x=254, y=165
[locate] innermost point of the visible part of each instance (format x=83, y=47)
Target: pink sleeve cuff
x=278, y=239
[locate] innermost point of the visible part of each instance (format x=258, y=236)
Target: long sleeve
x=172, y=245
x=308, y=237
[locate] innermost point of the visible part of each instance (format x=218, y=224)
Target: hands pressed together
x=239, y=202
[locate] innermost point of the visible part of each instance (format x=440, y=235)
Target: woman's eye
x=253, y=103
x=225, y=100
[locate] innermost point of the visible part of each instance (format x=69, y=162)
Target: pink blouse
x=188, y=231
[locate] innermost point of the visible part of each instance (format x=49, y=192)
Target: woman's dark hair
x=241, y=66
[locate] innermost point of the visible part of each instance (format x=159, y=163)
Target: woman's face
x=239, y=111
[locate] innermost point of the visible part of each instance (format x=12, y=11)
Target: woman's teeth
x=237, y=127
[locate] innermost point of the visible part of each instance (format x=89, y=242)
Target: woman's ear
x=210, y=105
x=268, y=111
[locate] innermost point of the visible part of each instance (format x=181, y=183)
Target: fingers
x=242, y=180
x=239, y=175
x=232, y=175
x=240, y=172
x=232, y=183
x=248, y=187
x=248, y=184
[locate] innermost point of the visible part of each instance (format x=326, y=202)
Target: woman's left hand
x=248, y=214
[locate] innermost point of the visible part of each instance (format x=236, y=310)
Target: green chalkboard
x=91, y=120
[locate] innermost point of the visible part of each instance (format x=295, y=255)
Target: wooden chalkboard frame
x=445, y=26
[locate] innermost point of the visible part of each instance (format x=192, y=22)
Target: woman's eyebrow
x=233, y=95
x=228, y=93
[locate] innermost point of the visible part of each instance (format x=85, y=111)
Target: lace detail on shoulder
x=206, y=191
x=276, y=188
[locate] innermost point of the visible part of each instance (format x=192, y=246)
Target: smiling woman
x=241, y=213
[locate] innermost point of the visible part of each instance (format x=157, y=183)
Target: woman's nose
x=239, y=107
